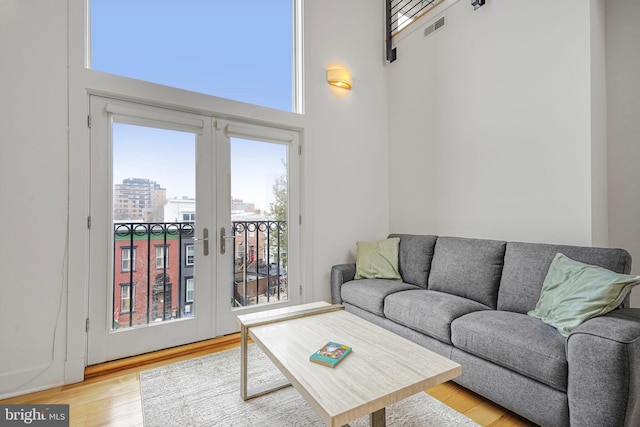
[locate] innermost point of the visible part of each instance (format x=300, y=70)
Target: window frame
x=187, y=280
x=297, y=61
x=131, y=289
x=189, y=248
x=132, y=265
x=164, y=258
x=85, y=82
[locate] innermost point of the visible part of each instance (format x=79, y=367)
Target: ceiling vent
x=435, y=26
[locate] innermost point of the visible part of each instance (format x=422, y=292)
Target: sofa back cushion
x=470, y=268
x=414, y=260
x=526, y=266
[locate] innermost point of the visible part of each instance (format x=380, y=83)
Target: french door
x=175, y=255
x=259, y=225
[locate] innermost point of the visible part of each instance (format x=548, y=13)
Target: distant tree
x=120, y=214
x=278, y=211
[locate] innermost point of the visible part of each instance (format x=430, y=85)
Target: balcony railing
x=260, y=262
x=151, y=270
x=154, y=269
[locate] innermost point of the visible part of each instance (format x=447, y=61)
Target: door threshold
x=200, y=347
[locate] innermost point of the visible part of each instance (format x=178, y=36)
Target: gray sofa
x=467, y=299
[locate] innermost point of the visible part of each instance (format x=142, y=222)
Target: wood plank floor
x=110, y=393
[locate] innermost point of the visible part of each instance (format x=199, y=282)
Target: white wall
x=344, y=190
x=33, y=172
x=346, y=133
x=623, y=130
x=490, y=120
x=598, y=105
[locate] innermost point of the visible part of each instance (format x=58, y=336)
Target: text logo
x=34, y=415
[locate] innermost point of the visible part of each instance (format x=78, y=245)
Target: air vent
x=434, y=26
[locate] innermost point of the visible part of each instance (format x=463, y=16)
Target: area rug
x=205, y=391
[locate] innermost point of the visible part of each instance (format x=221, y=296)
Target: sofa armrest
x=604, y=370
x=340, y=274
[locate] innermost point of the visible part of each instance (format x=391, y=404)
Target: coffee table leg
x=244, y=361
x=378, y=418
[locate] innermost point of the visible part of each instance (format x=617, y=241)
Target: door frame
x=226, y=322
x=223, y=320
x=103, y=342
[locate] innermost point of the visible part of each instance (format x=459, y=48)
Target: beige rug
x=206, y=392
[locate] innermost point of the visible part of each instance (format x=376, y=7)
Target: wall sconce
x=477, y=3
x=340, y=77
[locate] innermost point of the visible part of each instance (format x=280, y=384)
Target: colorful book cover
x=330, y=354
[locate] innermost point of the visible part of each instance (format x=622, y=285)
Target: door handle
x=223, y=237
x=205, y=241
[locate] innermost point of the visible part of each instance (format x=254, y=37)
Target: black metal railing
x=151, y=284
x=399, y=14
x=260, y=261
x=151, y=268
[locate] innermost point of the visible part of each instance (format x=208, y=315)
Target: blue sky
x=237, y=50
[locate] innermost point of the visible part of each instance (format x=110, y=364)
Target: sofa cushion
x=416, y=253
x=526, y=266
x=470, y=268
x=378, y=260
x=369, y=294
x=515, y=341
x=574, y=292
x=429, y=312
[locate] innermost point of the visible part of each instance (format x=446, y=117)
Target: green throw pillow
x=378, y=260
x=574, y=292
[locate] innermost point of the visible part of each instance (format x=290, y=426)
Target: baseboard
x=28, y=381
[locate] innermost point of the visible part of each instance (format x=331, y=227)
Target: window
x=170, y=43
x=128, y=262
x=161, y=260
x=190, y=289
x=127, y=297
x=401, y=13
x=189, y=255
x=189, y=216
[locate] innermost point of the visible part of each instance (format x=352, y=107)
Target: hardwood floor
x=110, y=393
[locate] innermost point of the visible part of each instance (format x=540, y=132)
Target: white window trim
x=189, y=248
x=160, y=260
x=190, y=280
x=132, y=297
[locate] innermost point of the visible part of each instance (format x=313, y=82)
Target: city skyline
x=169, y=158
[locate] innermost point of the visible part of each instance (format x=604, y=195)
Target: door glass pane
x=154, y=211
x=236, y=50
x=259, y=215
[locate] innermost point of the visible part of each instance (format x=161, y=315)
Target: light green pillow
x=378, y=260
x=574, y=292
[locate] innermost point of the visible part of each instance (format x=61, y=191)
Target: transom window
x=237, y=50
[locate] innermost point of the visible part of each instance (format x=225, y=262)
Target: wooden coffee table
x=382, y=369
